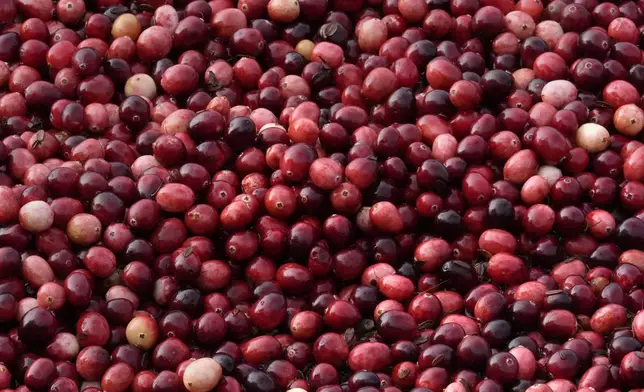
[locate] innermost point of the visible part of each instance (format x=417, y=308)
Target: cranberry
x=292, y=185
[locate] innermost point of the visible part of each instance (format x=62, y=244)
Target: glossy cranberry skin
x=37, y=327
x=631, y=367
x=169, y=353
x=474, y=351
x=40, y=373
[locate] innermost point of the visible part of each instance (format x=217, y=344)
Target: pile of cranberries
x=321, y=196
